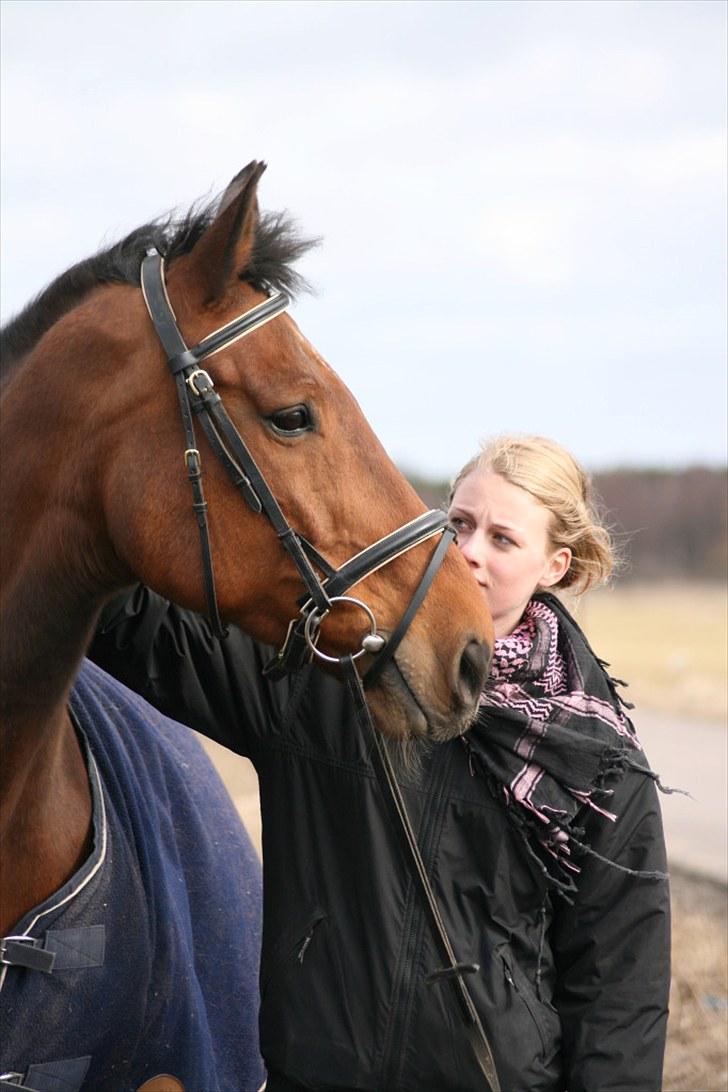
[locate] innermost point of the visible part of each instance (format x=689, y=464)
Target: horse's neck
x=53, y=553
x=45, y=817
x=47, y=621
x=45, y=801
x=48, y=609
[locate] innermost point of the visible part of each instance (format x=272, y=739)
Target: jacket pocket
x=304, y=989
x=521, y=990
x=290, y=950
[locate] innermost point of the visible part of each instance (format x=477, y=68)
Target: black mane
x=277, y=245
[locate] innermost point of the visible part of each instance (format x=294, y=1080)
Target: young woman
x=540, y=829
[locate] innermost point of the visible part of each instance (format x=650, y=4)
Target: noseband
x=198, y=398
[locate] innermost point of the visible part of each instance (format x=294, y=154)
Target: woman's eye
x=292, y=420
x=503, y=540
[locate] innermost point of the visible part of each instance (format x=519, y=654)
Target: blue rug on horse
x=146, y=961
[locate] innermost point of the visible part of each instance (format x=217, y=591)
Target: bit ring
x=316, y=617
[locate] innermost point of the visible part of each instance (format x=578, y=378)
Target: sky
x=522, y=204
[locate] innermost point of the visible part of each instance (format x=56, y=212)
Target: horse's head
x=321, y=460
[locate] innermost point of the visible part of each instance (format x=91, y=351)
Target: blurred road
x=691, y=755
x=687, y=755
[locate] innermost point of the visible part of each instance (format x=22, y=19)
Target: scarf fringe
x=532, y=833
x=523, y=823
x=641, y=874
x=614, y=685
x=666, y=789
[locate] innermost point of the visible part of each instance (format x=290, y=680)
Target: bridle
x=199, y=399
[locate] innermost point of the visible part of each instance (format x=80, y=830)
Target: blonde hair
x=554, y=478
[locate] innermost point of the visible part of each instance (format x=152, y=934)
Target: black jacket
x=572, y=996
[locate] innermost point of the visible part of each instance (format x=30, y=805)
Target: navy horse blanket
x=146, y=961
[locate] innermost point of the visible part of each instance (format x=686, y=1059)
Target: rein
x=198, y=398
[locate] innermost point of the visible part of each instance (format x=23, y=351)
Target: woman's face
x=503, y=535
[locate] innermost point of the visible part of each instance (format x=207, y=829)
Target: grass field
x=669, y=641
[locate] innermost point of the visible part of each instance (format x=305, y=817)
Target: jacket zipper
x=524, y=998
x=306, y=941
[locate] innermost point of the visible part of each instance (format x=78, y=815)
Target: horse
x=94, y=496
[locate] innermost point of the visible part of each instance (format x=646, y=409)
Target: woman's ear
x=556, y=568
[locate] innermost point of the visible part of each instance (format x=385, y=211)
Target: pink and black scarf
x=551, y=737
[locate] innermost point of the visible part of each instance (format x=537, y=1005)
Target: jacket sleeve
x=169, y=656
x=612, y=951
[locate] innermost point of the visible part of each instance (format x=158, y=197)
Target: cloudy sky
x=523, y=204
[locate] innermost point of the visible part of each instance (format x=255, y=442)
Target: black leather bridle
x=198, y=398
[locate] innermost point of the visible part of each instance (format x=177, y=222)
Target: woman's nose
x=472, y=550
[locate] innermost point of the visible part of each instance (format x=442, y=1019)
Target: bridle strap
x=199, y=507
x=385, y=550
x=452, y=971
x=239, y=327
x=196, y=392
x=246, y=476
x=165, y=322
x=160, y=309
x=382, y=658
x=295, y=650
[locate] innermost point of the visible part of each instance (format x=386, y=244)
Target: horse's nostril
x=473, y=671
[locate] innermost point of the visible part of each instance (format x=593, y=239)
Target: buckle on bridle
x=205, y=380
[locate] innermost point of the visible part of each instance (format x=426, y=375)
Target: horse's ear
x=224, y=249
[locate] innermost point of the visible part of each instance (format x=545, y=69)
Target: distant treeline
x=667, y=524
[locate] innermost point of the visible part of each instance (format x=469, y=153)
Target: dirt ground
x=697, y=1045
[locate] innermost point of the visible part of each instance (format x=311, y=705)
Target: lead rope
x=452, y=971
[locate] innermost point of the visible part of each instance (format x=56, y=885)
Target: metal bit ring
x=316, y=617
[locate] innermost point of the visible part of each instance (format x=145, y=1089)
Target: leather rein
x=198, y=399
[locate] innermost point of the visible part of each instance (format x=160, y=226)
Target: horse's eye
x=290, y=421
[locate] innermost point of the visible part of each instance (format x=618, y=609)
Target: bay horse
x=93, y=497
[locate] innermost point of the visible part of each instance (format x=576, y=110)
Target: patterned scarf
x=551, y=736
